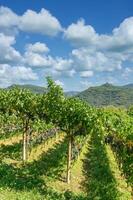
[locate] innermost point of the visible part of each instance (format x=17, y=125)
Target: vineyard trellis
x=39, y=117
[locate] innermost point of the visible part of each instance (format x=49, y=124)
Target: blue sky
x=80, y=43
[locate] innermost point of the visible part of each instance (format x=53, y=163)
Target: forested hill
x=33, y=88
x=39, y=89
x=103, y=95
x=108, y=94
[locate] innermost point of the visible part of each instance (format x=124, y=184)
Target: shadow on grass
x=50, y=163
x=30, y=176
x=99, y=183
x=11, y=151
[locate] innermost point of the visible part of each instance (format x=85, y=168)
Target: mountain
x=108, y=94
x=71, y=93
x=104, y=95
x=32, y=88
x=39, y=89
x=129, y=85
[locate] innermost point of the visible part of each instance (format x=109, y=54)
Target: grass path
x=95, y=175
x=103, y=180
x=12, y=140
x=30, y=181
x=122, y=187
x=11, y=149
x=44, y=146
x=77, y=177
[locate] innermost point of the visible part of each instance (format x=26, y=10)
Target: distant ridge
x=129, y=85
x=39, y=89
x=108, y=94
x=32, y=88
x=71, y=93
x=104, y=95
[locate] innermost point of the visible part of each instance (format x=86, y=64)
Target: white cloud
x=57, y=74
x=86, y=74
x=7, y=52
x=37, y=47
x=37, y=60
x=23, y=73
x=81, y=34
x=8, y=18
x=61, y=64
x=86, y=60
x=10, y=75
x=127, y=72
x=86, y=84
x=93, y=52
x=42, y=22
x=121, y=38
x=6, y=40
x=124, y=33
x=69, y=73
x=58, y=82
x=100, y=52
x=8, y=21
x=35, y=57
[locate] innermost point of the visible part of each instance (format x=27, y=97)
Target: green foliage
x=40, y=112
x=119, y=130
x=32, y=88
x=108, y=94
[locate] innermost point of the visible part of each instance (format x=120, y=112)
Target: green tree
x=24, y=103
x=71, y=115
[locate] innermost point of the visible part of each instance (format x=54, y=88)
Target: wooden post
x=25, y=142
x=69, y=159
x=24, y=147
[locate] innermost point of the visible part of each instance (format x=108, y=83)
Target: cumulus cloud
x=37, y=47
x=86, y=74
x=8, y=20
x=93, y=53
x=81, y=34
x=101, y=52
x=70, y=73
x=55, y=66
x=121, y=38
x=61, y=64
x=58, y=82
x=35, y=56
x=127, y=72
x=37, y=60
x=86, y=84
x=97, y=61
x=123, y=35
x=7, y=17
x=10, y=75
x=42, y=22
x=7, y=52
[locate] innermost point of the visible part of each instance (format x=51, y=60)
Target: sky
x=79, y=43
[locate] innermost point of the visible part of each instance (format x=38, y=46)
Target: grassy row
x=102, y=173
x=34, y=180
x=95, y=175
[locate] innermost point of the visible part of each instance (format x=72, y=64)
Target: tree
x=75, y=120
x=70, y=114
x=23, y=102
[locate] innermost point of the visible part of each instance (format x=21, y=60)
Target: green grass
x=95, y=175
x=122, y=186
x=30, y=181
x=102, y=174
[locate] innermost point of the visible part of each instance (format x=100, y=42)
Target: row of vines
x=42, y=116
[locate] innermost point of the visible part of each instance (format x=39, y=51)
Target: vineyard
x=54, y=147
